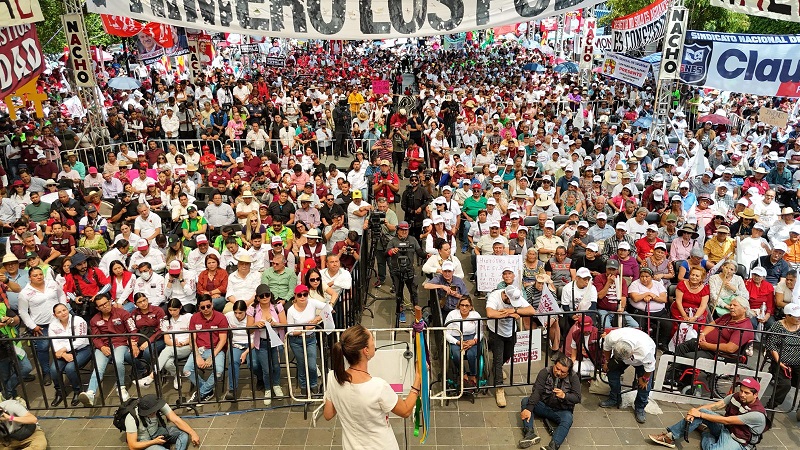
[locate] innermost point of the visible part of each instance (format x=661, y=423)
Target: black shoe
x=531, y=438
x=75, y=398
x=207, y=397
x=48, y=380
x=28, y=378
x=57, y=399
x=192, y=398
x=550, y=446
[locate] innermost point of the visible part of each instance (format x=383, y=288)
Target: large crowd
x=222, y=202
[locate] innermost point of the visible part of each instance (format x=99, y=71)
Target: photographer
x=414, y=203
x=386, y=184
x=387, y=230
x=84, y=283
x=146, y=426
x=19, y=429
x=402, y=250
x=349, y=251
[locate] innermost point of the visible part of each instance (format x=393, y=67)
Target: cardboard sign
x=523, y=352
x=489, y=269
x=773, y=117
x=21, y=58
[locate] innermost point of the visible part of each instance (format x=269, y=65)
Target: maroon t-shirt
x=198, y=322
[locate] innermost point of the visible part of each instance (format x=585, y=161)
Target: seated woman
x=724, y=286
x=627, y=263
x=784, y=352
x=663, y=271
x=691, y=300
x=122, y=281
x=93, y=240
x=177, y=344
x=648, y=298
x=785, y=290
x=241, y=345
x=697, y=259
x=434, y=263
x=463, y=337
x=317, y=290
x=70, y=354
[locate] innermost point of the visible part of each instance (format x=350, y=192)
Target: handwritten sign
x=523, y=352
x=380, y=86
x=489, y=269
x=773, y=117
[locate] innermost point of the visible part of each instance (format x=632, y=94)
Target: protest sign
x=528, y=347
x=489, y=269
x=625, y=68
x=773, y=117
x=19, y=12
x=638, y=29
x=21, y=58
x=380, y=87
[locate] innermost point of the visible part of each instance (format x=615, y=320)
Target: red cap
x=750, y=382
x=300, y=288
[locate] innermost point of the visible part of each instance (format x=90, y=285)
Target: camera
x=405, y=263
x=376, y=219
x=348, y=250
x=427, y=174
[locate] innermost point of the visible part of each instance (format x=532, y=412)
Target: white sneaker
x=87, y=398
x=319, y=372
x=123, y=394
x=278, y=391
x=144, y=381
x=267, y=398
x=175, y=383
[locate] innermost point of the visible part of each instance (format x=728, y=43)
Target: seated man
x=109, y=321
x=209, y=350
x=555, y=393
x=714, y=341
x=146, y=426
x=19, y=427
x=740, y=426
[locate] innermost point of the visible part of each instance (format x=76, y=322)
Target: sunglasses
x=204, y=307
x=301, y=294
x=265, y=296
x=313, y=279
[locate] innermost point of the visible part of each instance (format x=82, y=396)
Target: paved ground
x=458, y=425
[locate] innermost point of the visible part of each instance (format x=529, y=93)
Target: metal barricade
x=95, y=156
x=164, y=144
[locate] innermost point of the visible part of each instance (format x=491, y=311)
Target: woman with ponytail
x=363, y=402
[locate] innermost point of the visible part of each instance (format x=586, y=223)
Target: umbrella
x=643, y=122
x=124, y=83
x=567, y=67
x=533, y=67
x=716, y=119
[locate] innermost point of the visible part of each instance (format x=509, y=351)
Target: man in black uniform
x=415, y=200
x=341, y=118
x=402, y=250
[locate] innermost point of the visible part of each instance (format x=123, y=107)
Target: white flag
x=327, y=317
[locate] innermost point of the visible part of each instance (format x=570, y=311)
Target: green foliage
x=764, y=25
x=52, y=36
x=702, y=16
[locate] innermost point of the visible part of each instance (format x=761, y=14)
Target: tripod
x=372, y=270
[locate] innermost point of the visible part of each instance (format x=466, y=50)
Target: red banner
x=161, y=33
x=121, y=26
x=21, y=57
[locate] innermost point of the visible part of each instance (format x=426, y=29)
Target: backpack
x=129, y=407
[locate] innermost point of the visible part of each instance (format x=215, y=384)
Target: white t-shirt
x=656, y=288
x=354, y=222
x=305, y=316
x=363, y=410
x=502, y=327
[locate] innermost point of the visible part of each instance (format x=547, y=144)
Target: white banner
x=638, y=29
x=625, y=68
x=338, y=19
x=587, y=55
x=19, y=12
x=524, y=350
x=673, y=43
x=490, y=270
x=548, y=303
x=603, y=44
x=195, y=68
x=78, y=49
x=757, y=64
x=780, y=10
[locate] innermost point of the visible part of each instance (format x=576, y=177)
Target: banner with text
x=21, y=57
x=19, y=12
x=780, y=10
x=602, y=44
x=525, y=349
x=78, y=50
x=625, y=68
x=673, y=43
x=339, y=19
x=587, y=41
x=748, y=63
x=638, y=29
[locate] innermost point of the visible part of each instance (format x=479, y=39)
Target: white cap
x=438, y=219
x=658, y=194
x=602, y=215
x=592, y=246
x=513, y=293
x=497, y=190
x=514, y=215
x=494, y=224
x=439, y=201
x=491, y=201
x=624, y=246
x=598, y=178
x=583, y=272
x=509, y=162
x=497, y=179
x=492, y=168
x=622, y=226
x=653, y=227
x=550, y=224
x=448, y=266
x=758, y=270
x=583, y=224
x=658, y=177
x=780, y=245
x=684, y=184
x=427, y=222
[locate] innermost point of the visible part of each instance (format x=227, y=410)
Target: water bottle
x=761, y=314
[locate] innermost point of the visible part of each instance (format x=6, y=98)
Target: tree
x=702, y=16
x=765, y=25
x=51, y=35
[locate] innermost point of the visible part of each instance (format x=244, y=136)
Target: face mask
x=146, y=276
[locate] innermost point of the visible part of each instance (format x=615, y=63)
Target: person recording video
x=402, y=250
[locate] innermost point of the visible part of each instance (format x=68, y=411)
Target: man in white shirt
x=579, y=294
x=357, y=212
x=170, y=124
x=243, y=282
x=197, y=257
x=767, y=209
x=357, y=178
x=147, y=225
x=257, y=138
x=150, y=283
x=241, y=92
x=334, y=276
x=145, y=254
x=625, y=347
x=505, y=306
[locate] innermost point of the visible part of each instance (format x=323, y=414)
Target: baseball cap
x=661, y=245
x=142, y=244
x=751, y=383
x=403, y=225
x=792, y=309
x=602, y=216
x=612, y=264
x=448, y=266
x=201, y=239
x=476, y=185
x=513, y=293
x=624, y=246
x=780, y=246
x=357, y=194
x=550, y=224
x=622, y=226
x=759, y=270
x=175, y=267
x=583, y=272
x=583, y=224
x=300, y=289
x=276, y=240
x=592, y=246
